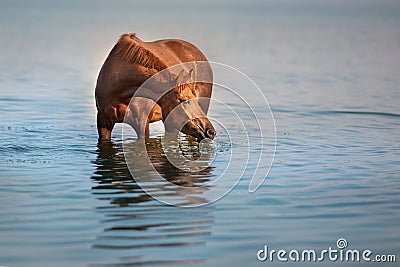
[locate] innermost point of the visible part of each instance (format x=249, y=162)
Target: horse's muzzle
x=200, y=128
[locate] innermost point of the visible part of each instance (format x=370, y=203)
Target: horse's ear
x=165, y=80
x=191, y=75
x=168, y=80
x=184, y=77
x=180, y=78
x=165, y=76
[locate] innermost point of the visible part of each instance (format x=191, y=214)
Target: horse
x=132, y=62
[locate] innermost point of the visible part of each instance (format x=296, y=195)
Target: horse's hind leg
x=104, y=126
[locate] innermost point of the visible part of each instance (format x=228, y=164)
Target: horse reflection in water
x=140, y=229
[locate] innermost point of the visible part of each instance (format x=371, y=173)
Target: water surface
x=329, y=70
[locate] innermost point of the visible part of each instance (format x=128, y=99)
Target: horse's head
x=184, y=111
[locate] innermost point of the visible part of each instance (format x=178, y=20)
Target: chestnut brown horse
x=130, y=63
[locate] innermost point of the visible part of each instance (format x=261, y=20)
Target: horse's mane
x=131, y=50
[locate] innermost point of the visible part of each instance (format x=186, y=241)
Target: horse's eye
x=187, y=102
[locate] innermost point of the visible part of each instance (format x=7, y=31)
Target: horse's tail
x=130, y=48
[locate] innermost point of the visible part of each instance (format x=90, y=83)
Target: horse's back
x=184, y=51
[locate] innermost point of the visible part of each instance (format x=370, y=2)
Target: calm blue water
x=330, y=71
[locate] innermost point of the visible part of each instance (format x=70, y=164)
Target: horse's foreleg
x=138, y=123
x=147, y=130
